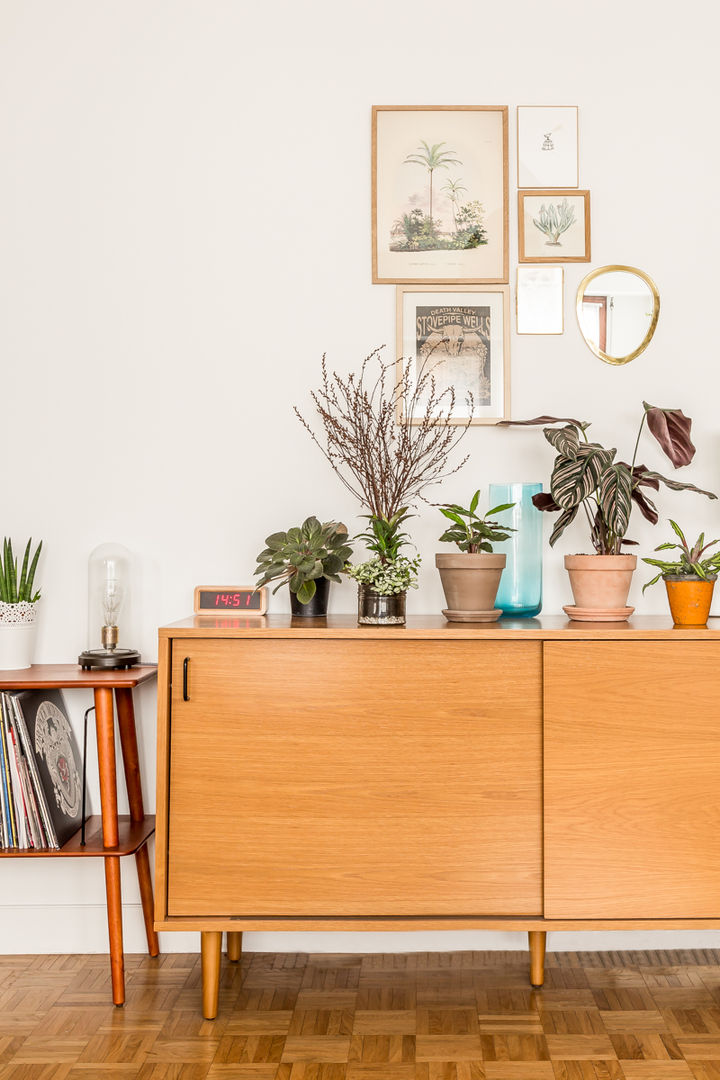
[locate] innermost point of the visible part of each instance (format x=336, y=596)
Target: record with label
x=57, y=757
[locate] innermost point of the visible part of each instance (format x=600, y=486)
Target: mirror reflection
x=617, y=309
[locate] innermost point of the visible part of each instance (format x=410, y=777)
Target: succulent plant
x=303, y=554
x=555, y=220
x=14, y=589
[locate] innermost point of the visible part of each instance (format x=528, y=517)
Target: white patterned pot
x=17, y=635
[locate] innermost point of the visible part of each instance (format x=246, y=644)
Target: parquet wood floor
x=416, y=1016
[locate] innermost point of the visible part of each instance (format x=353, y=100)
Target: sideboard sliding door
x=366, y=777
x=632, y=779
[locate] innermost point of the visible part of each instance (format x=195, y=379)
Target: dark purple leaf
x=671, y=428
x=631, y=543
x=647, y=506
x=544, y=501
x=675, y=485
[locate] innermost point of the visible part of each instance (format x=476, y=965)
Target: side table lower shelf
x=132, y=835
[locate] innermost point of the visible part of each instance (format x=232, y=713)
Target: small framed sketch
x=439, y=194
x=554, y=226
x=539, y=300
x=547, y=137
x=460, y=335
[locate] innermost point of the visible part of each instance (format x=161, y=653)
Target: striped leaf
x=565, y=440
x=615, y=498
x=561, y=524
x=574, y=479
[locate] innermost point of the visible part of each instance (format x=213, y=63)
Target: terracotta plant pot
x=470, y=584
x=600, y=585
x=690, y=599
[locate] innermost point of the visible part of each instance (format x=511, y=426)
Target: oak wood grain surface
x=381, y=778
x=632, y=775
x=414, y=1016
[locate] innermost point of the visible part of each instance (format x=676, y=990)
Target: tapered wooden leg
x=234, y=945
x=210, y=950
x=536, y=939
x=131, y=765
x=105, y=729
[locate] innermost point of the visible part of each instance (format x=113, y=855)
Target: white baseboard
x=73, y=928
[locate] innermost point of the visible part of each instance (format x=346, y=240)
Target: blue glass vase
x=520, y=592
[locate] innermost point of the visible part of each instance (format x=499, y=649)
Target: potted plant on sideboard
x=471, y=576
x=388, y=433
x=306, y=558
x=689, y=580
x=18, y=607
x=587, y=477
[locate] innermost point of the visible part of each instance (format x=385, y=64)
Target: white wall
x=185, y=229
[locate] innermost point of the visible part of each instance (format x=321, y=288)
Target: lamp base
x=110, y=659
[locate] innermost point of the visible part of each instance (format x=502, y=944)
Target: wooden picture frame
x=553, y=225
x=464, y=331
x=547, y=146
x=446, y=222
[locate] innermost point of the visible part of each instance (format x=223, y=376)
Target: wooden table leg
x=234, y=945
x=105, y=729
x=210, y=949
x=131, y=765
x=537, y=939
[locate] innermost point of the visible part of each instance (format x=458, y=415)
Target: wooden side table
x=108, y=836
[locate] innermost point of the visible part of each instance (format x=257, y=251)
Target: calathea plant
x=587, y=477
x=302, y=555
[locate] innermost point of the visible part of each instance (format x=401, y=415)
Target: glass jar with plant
x=689, y=580
x=384, y=580
x=18, y=606
x=471, y=576
x=306, y=558
x=586, y=477
x=387, y=464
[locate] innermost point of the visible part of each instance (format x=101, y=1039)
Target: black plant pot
x=315, y=608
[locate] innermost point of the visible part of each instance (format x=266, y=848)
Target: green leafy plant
x=14, y=589
x=555, y=220
x=384, y=536
x=586, y=476
x=387, y=577
x=303, y=554
x=690, y=565
x=473, y=533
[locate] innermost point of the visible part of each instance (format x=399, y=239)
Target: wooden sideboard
x=530, y=775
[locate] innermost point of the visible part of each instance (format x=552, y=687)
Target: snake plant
x=14, y=589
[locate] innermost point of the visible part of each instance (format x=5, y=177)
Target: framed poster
x=439, y=194
x=539, y=300
x=462, y=336
x=547, y=145
x=554, y=226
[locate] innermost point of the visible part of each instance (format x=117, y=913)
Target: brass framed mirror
x=617, y=312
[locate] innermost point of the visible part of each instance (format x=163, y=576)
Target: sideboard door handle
x=186, y=663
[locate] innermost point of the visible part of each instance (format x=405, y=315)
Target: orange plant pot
x=690, y=600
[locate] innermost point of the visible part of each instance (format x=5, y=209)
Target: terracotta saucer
x=580, y=614
x=472, y=616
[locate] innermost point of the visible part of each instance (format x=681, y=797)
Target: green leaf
x=499, y=509
x=652, y=582
x=565, y=440
x=615, y=498
x=474, y=501
x=574, y=479
x=562, y=522
x=675, y=485
x=306, y=592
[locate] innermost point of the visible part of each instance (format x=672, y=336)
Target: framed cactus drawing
x=554, y=226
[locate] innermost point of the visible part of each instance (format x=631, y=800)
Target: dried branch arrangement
x=385, y=464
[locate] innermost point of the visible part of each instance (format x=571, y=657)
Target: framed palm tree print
x=440, y=194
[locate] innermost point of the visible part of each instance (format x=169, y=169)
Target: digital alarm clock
x=230, y=600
